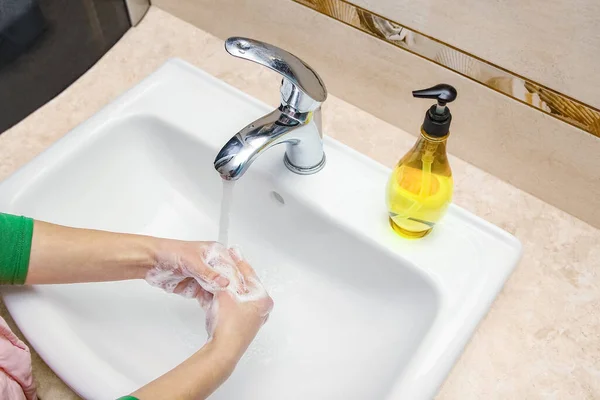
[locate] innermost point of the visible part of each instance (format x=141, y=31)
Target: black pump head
x=438, y=117
x=443, y=93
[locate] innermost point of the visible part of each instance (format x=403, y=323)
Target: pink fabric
x=16, y=381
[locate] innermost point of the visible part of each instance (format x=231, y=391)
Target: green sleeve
x=127, y=398
x=15, y=248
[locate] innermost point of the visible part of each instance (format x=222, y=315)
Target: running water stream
x=226, y=201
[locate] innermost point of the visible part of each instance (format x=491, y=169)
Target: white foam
x=164, y=279
x=171, y=271
x=242, y=290
x=191, y=290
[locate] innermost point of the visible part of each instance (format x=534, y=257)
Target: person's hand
x=235, y=315
x=226, y=286
x=191, y=269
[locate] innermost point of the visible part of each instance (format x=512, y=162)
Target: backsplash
x=552, y=42
x=497, y=78
x=507, y=126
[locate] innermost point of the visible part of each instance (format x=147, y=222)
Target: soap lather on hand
x=191, y=268
x=211, y=273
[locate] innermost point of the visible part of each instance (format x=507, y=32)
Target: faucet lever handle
x=302, y=88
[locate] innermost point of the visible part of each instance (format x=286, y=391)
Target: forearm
x=196, y=378
x=61, y=254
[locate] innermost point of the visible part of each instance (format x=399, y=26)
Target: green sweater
x=15, y=247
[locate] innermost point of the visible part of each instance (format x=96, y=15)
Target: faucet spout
x=304, y=153
x=297, y=121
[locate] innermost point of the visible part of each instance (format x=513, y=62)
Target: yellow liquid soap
x=420, y=188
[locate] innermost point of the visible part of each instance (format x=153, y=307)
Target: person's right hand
x=233, y=320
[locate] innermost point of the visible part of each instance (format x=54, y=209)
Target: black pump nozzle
x=438, y=117
x=443, y=93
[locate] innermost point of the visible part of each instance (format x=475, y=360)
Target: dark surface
x=76, y=33
x=442, y=92
x=21, y=23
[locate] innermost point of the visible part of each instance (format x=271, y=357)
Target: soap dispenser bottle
x=420, y=187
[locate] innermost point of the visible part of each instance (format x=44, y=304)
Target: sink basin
x=360, y=313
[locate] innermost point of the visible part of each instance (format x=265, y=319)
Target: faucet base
x=303, y=170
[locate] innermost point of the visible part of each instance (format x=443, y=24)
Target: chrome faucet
x=302, y=92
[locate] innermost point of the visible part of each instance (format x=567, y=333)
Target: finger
x=243, y=284
x=182, y=285
x=188, y=288
x=212, y=256
x=242, y=265
x=214, y=252
x=204, y=271
x=211, y=276
x=236, y=253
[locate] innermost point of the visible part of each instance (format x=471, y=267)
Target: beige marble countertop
x=541, y=338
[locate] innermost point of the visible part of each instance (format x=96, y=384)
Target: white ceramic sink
x=360, y=313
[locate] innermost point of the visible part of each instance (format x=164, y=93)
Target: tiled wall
x=521, y=88
x=553, y=42
x=532, y=150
